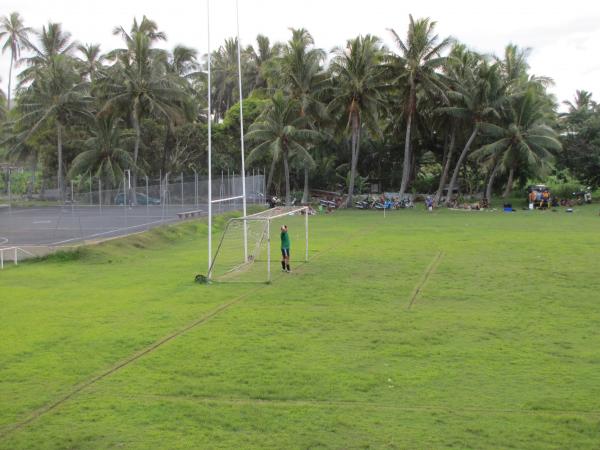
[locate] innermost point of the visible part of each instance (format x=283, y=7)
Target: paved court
x=58, y=226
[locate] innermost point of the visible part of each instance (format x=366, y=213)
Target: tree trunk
x=12, y=58
x=446, y=171
x=59, y=151
x=270, y=177
x=459, y=163
x=354, y=161
x=509, y=183
x=136, y=150
x=407, y=155
x=31, y=187
x=305, y=195
x=490, y=184
x=167, y=147
x=286, y=170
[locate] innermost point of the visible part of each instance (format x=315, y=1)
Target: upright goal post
x=209, y=119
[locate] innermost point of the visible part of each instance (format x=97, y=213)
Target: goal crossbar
x=277, y=212
x=221, y=200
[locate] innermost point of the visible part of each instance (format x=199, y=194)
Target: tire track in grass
x=137, y=355
x=347, y=404
x=423, y=281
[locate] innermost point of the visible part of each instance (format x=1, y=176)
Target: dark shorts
x=285, y=252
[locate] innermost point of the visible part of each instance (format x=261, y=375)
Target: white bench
x=188, y=214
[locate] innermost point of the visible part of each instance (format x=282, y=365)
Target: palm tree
x=582, y=102
x=52, y=41
x=280, y=132
x=139, y=81
x=460, y=61
x=54, y=98
x=16, y=36
x=147, y=27
x=92, y=61
x=3, y=108
x=522, y=139
x=261, y=60
x=304, y=80
x=416, y=69
x=224, y=71
x=182, y=66
x=358, y=80
x=478, y=97
x=104, y=156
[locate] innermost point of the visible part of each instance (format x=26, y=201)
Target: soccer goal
x=262, y=238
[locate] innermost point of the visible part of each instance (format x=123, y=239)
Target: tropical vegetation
x=429, y=115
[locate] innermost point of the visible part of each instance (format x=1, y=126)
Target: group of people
x=481, y=204
x=541, y=199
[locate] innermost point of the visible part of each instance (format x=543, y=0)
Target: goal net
x=233, y=262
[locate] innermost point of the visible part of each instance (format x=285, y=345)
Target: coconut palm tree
x=416, y=68
x=3, y=107
x=16, y=38
x=479, y=97
x=279, y=132
x=52, y=41
x=56, y=95
x=182, y=66
x=522, y=139
x=358, y=84
x=91, y=61
x=105, y=156
x=304, y=80
x=139, y=82
x=261, y=60
x=582, y=102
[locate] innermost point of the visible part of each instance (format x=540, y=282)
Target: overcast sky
x=564, y=35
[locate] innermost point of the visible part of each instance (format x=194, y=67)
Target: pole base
x=201, y=279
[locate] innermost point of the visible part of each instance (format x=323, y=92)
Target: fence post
x=147, y=197
x=16, y=257
x=167, y=191
x=195, y=189
x=1, y=258
x=91, y=197
x=9, y=190
x=100, y=194
x=182, y=207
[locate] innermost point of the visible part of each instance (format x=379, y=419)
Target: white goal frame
x=264, y=216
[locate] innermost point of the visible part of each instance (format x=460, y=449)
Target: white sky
x=564, y=36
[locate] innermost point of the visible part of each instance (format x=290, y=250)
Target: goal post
x=245, y=252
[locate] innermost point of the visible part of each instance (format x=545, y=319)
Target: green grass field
x=449, y=329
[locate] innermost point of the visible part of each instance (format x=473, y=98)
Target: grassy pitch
x=417, y=330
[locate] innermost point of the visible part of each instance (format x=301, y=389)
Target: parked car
x=141, y=199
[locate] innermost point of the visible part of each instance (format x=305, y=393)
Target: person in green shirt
x=285, y=249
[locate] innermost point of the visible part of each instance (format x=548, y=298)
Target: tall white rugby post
x=209, y=118
x=237, y=16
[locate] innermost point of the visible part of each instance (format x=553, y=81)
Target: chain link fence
x=179, y=189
